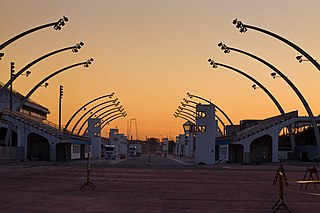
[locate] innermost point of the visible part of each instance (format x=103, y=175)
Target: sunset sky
x=152, y=52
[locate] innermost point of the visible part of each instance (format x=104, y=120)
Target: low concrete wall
x=11, y=153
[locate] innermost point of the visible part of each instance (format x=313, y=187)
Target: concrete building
x=120, y=142
x=165, y=147
x=206, y=128
x=180, y=148
x=28, y=134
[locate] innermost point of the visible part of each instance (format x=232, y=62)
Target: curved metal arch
x=201, y=98
x=14, y=77
x=113, y=116
x=286, y=41
x=191, y=115
x=295, y=89
x=189, y=110
x=43, y=81
x=186, y=115
x=188, y=105
x=93, y=115
x=185, y=118
x=3, y=45
x=87, y=112
x=86, y=104
x=118, y=108
x=113, y=120
x=275, y=101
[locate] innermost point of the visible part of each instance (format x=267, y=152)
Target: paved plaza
x=155, y=184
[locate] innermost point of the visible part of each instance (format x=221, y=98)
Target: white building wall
x=165, y=147
x=94, y=133
x=206, y=132
x=119, y=141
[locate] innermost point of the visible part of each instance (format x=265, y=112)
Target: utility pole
x=60, y=100
x=11, y=76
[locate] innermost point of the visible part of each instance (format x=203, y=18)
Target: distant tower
x=130, y=134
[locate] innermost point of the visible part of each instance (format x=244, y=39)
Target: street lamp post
x=243, y=28
x=227, y=49
x=60, y=100
x=74, y=49
x=85, y=64
x=56, y=25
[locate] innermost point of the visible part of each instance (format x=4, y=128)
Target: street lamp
x=85, y=64
x=12, y=74
x=56, y=25
x=243, y=26
x=255, y=86
x=300, y=59
x=294, y=88
x=73, y=48
x=45, y=85
x=60, y=23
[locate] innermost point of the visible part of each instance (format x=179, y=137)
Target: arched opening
x=3, y=132
x=261, y=149
x=38, y=147
x=236, y=153
x=284, y=140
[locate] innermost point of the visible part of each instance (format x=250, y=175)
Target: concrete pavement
x=163, y=186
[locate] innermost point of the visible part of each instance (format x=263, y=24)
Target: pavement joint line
x=179, y=161
x=118, y=161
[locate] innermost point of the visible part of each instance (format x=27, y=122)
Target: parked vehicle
x=132, y=150
x=110, y=152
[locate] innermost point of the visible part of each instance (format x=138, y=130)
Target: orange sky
x=151, y=53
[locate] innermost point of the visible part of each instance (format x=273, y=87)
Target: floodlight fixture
x=27, y=73
x=239, y=25
x=300, y=59
x=223, y=47
x=77, y=47
x=274, y=75
x=45, y=85
x=89, y=61
x=61, y=23
x=254, y=86
x=212, y=63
